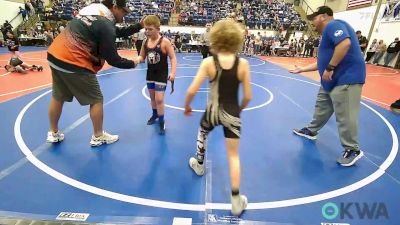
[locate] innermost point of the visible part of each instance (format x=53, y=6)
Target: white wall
x=386, y=31
x=313, y=4
x=361, y=19
x=8, y=10
x=337, y=5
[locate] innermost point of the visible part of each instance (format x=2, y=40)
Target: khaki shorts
x=15, y=61
x=85, y=88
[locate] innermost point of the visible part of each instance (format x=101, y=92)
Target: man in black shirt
x=392, y=51
x=363, y=41
x=308, y=52
x=178, y=41
x=315, y=46
x=281, y=39
x=7, y=26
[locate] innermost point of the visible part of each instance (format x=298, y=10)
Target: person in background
x=380, y=50
x=205, y=41
x=316, y=46
x=371, y=51
x=138, y=40
x=362, y=40
x=391, y=52
x=178, y=41
x=23, y=13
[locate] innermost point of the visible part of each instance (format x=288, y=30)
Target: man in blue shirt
x=342, y=69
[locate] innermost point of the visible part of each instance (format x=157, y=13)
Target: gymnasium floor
x=144, y=178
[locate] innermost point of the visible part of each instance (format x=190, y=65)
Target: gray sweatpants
x=344, y=100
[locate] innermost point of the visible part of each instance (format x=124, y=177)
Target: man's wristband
x=330, y=68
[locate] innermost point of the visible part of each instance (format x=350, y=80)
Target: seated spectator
x=380, y=50
x=371, y=51
x=392, y=51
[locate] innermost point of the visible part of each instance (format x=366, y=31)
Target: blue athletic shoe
x=305, y=132
x=350, y=157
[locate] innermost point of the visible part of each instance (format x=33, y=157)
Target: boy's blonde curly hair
x=226, y=36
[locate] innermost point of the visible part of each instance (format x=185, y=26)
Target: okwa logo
x=355, y=210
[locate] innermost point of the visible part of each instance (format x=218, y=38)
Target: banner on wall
x=358, y=3
x=391, y=11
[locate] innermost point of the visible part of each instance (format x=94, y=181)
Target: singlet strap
x=235, y=66
x=159, y=41
x=217, y=67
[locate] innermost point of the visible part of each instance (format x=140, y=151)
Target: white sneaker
x=54, y=137
x=106, y=138
x=196, y=166
x=239, y=203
